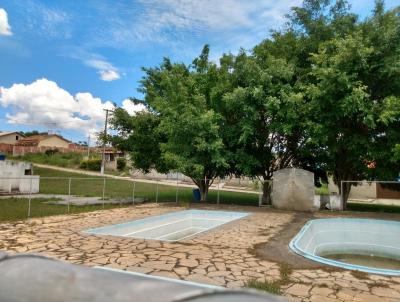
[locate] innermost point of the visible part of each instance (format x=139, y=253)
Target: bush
x=91, y=164
x=121, y=163
x=50, y=152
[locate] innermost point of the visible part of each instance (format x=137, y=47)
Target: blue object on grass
x=196, y=194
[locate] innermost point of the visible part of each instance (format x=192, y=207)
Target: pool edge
x=294, y=247
x=94, y=231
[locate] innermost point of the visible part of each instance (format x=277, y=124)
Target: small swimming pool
x=368, y=245
x=170, y=227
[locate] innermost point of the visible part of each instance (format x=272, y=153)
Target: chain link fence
x=368, y=195
x=27, y=197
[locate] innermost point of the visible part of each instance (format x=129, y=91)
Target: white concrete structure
x=331, y=201
x=293, y=189
x=17, y=177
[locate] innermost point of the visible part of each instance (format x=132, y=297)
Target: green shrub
x=50, y=152
x=322, y=190
x=91, y=164
x=121, y=163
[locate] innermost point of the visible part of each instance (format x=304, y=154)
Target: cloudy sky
x=63, y=62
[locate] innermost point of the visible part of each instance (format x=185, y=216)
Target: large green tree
x=382, y=79
x=265, y=116
x=183, y=130
x=139, y=135
x=267, y=106
x=355, y=96
x=322, y=93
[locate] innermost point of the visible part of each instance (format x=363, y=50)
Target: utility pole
x=88, y=146
x=103, y=158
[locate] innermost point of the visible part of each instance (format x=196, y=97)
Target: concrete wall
x=54, y=141
x=363, y=190
x=293, y=189
x=21, y=150
x=332, y=202
x=332, y=188
x=30, y=183
x=6, y=148
x=13, y=177
x=111, y=165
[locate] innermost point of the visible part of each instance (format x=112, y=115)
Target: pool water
x=170, y=227
x=366, y=260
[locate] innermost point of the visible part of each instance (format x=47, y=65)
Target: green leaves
x=181, y=126
x=324, y=93
x=355, y=99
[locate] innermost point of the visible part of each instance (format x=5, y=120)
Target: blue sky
x=62, y=62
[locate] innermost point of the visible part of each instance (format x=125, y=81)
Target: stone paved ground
x=223, y=256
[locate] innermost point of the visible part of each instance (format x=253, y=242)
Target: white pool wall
x=161, y=225
x=351, y=236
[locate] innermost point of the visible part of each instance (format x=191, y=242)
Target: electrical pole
x=88, y=146
x=103, y=158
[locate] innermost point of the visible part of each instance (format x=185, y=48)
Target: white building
x=17, y=177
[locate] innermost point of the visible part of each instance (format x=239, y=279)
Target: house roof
x=4, y=133
x=34, y=140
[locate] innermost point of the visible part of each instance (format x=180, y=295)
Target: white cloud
x=109, y=75
x=131, y=107
x=5, y=28
x=44, y=103
x=177, y=22
x=106, y=70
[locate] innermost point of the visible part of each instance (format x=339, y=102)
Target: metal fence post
x=219, y=180
x=30, y=199
x=104, y=189
x=157, y=191
x=69, y=193
x=133, y=192
x=177, y=188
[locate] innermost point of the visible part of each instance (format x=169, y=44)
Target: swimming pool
x=170, y=227
x=368, y=245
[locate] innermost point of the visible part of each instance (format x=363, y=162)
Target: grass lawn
x=85, y=185
x=383, y=208
x=12, y=209
x=116, y=188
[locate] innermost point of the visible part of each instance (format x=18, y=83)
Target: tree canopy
x=323, y=93
x=181, y=130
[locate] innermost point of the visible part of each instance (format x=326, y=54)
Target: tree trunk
x=203, y=187
x=346, y=187
x=267, y=190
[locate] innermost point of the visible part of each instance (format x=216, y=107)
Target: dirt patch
x=277, y=248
